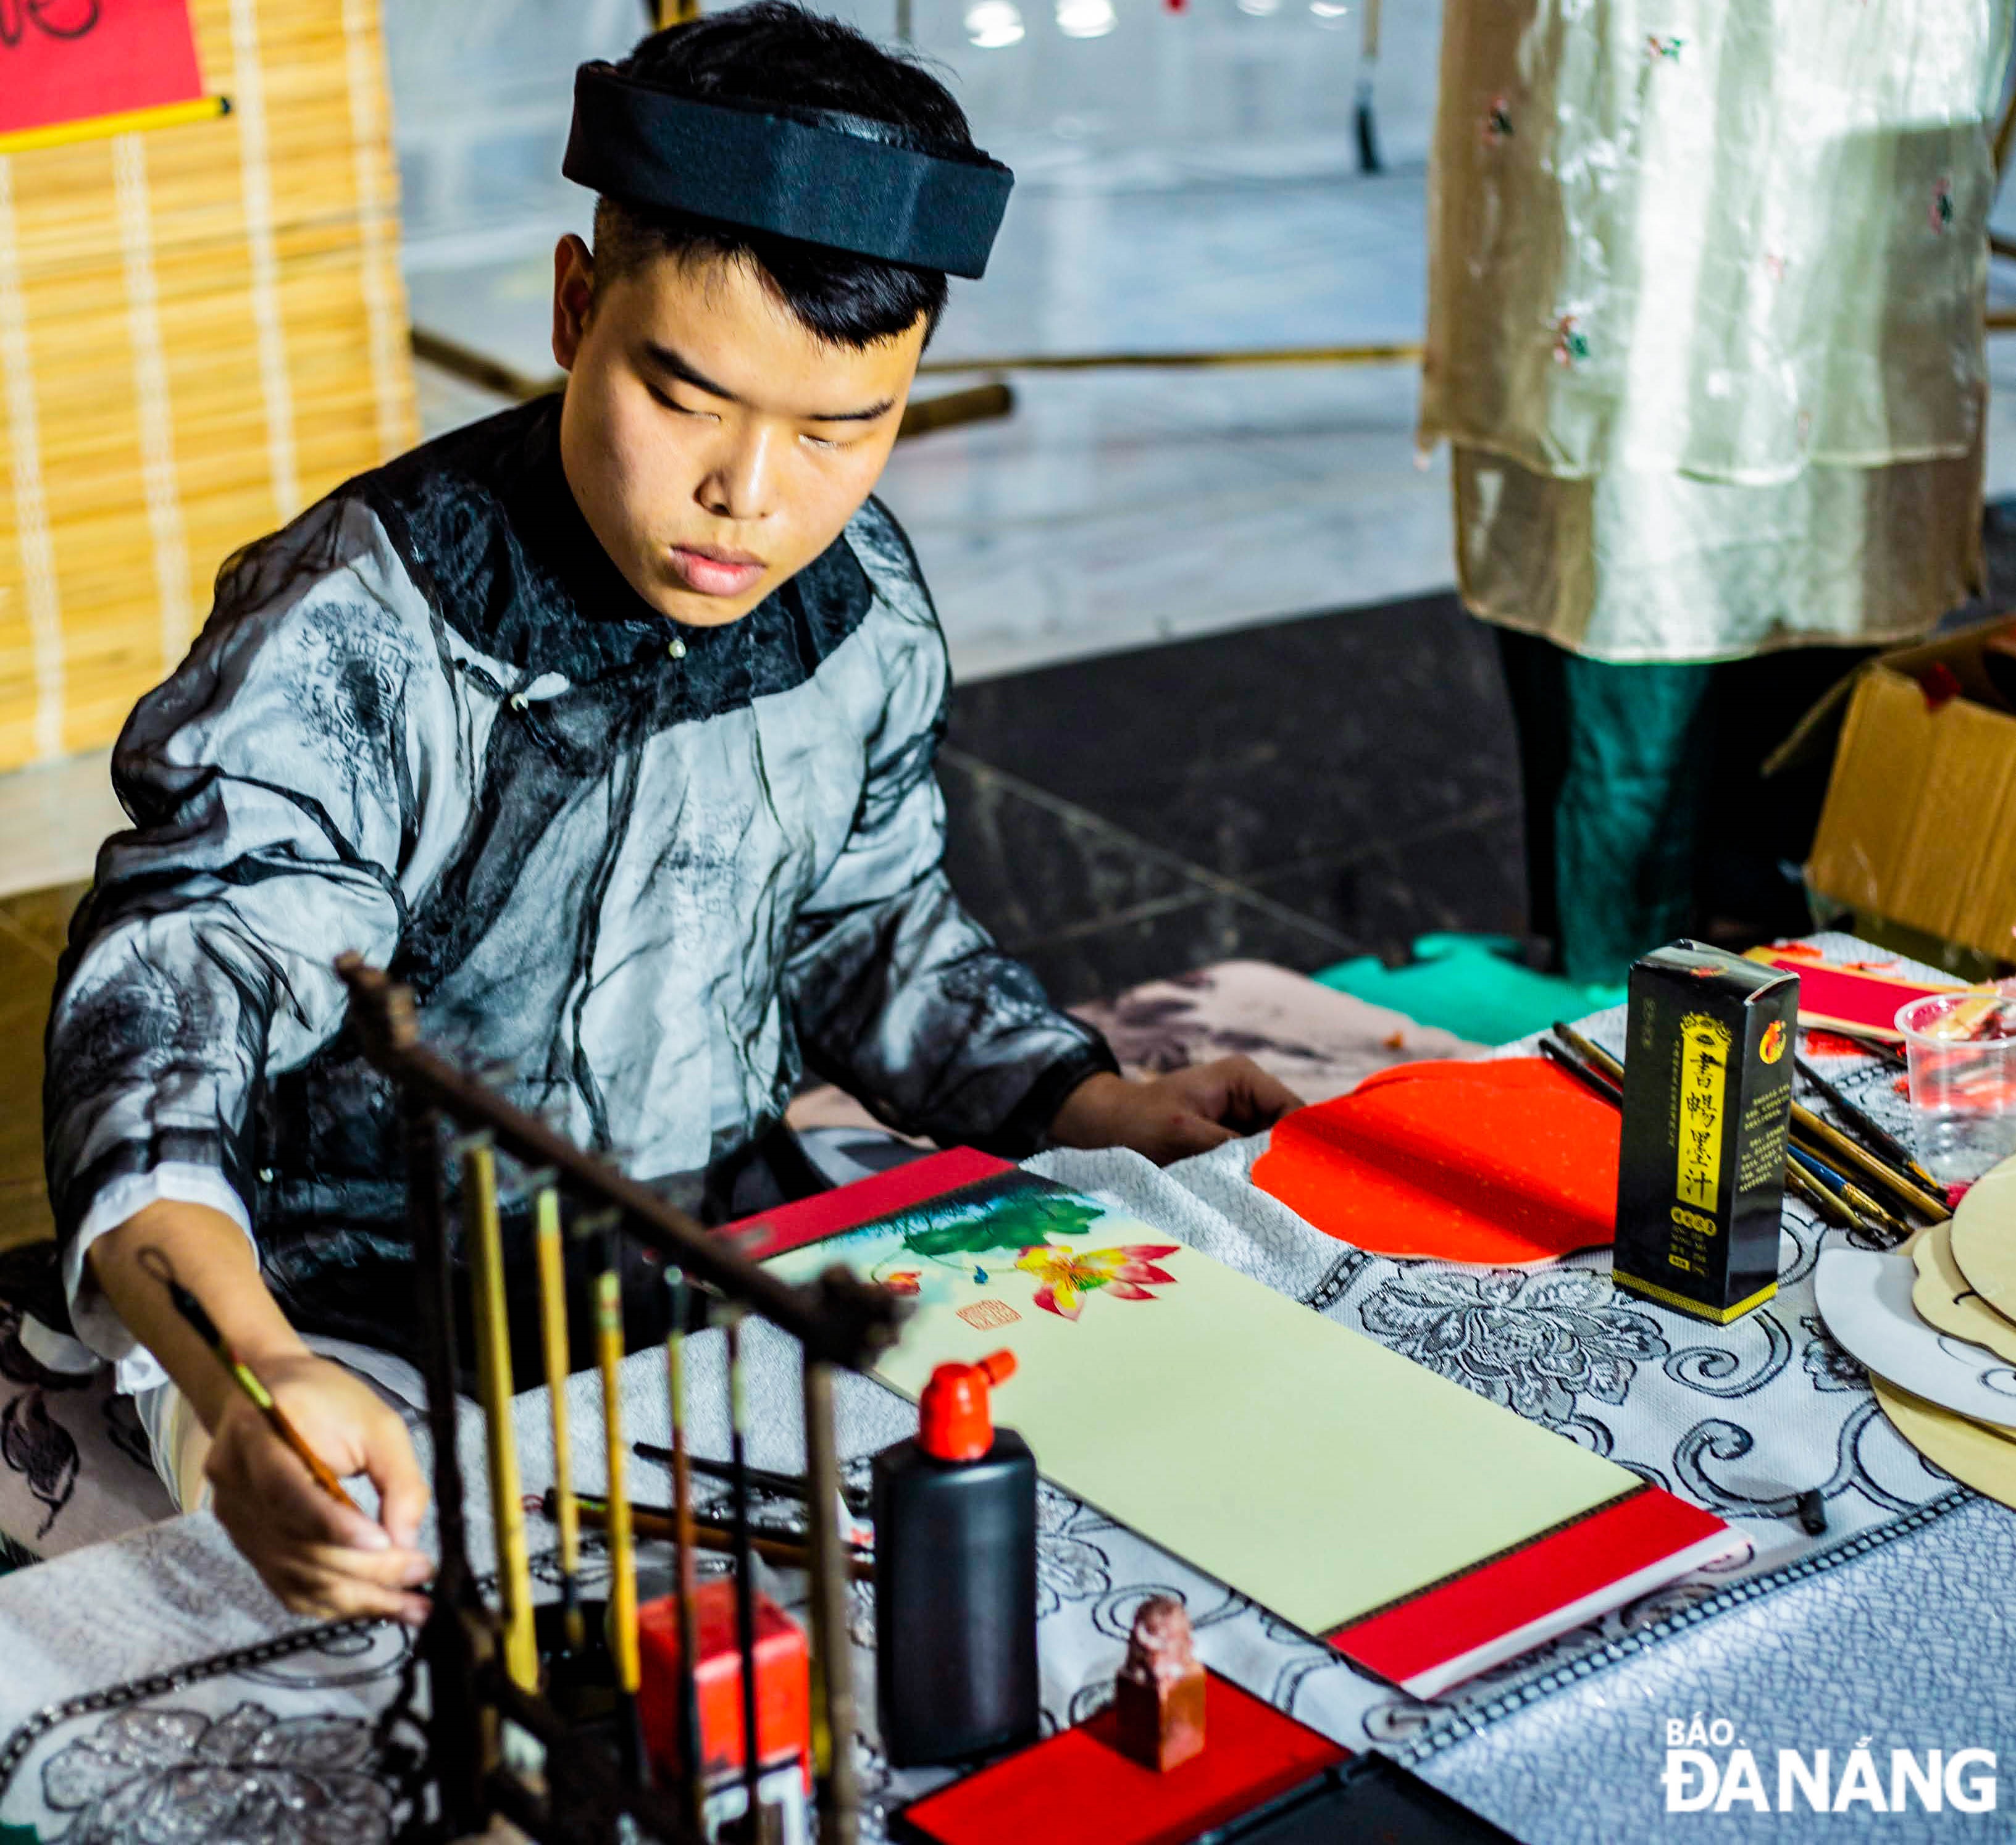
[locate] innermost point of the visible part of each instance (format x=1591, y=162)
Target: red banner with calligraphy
x=70, y=61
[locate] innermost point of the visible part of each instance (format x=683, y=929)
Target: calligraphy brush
x=1829, y=1143
x=774, y=1544
x=783, y=1486
x=483, y=1238
x=1585, y=1074
x=246, y=1379
x=1885, y=1143
x=745, y=1576
x=1850, y=1194
x=553, y=1341
x=1591, y=1054
x=1826, y=1143
x=623, y=1644
x=1879, y=1138
x=1822, y=1202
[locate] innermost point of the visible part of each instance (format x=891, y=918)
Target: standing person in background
x=1706, y=287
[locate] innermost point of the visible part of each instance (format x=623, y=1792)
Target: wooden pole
x=456, y=1722
x=745, y=1572
x=839, y=1794
x=977, y=403
x=2005, y=132
x=491, y=374
x=1390, y=352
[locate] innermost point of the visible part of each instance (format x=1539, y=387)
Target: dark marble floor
x=1297, y=792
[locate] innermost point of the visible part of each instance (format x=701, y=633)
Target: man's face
x=715, y=445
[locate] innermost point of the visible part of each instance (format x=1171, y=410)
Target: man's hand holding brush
x=310, y=1544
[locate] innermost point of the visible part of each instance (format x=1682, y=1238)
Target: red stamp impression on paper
x=984, y=1315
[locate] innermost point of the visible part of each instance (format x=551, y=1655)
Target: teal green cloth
x=1627, y=821
x=1615, y=759
x=1647, y=817
x=1466, y=984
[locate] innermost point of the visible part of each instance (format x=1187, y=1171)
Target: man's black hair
x=773, y=54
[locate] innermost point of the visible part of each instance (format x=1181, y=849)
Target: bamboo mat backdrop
x=203, y=330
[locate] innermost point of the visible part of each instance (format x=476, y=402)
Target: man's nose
x=738, y=485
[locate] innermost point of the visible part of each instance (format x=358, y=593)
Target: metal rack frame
x=840, y=1322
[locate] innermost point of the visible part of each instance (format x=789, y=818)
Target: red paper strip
x=1830, y=995
x=69, y=60
x=1457, y=1628
x=1076, y=1788
x=791, y=1227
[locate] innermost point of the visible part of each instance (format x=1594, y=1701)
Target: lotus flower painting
x=1067, y=1275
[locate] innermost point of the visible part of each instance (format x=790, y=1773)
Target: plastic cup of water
x=1963, y=1089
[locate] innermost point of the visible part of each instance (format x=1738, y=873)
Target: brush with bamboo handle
x=554, y=1348
x=1829, y=1139
x=483, y=1238
x=623, y=1645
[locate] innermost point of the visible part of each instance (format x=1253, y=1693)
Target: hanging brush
x=1368, y=63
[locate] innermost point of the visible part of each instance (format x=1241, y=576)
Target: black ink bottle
x=955, y=1576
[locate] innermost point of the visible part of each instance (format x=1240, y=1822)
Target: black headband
x=818, y=177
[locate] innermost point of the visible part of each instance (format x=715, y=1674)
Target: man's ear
x=574, y=297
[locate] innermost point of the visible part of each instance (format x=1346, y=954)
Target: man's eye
x=821, y=441
x=672, y=403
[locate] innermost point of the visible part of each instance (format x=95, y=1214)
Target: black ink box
x=1707, y=1100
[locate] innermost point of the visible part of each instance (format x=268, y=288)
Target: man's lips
x=709, y=570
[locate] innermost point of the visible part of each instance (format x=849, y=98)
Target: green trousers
x=1647, y=818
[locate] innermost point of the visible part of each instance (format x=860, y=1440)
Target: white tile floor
x=1187, y=180
x=1119, y=508
x=1115, y=509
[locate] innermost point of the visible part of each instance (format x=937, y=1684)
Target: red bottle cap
x=956, y=1423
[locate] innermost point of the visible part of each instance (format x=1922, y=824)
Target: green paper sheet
x=1297, y=1462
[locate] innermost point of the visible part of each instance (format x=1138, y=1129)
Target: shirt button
x=265, y=1175
x=678, y=648
x=519, y=701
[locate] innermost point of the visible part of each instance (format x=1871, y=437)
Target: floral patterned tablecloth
x=286, y=1742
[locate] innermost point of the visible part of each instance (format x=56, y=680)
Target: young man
x=608, y=726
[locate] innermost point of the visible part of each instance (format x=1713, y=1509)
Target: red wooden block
x=784, y=1683
x=1076, y=1788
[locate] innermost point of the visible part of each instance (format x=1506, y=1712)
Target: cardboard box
x=1708, y=1101
x=1919, y=824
